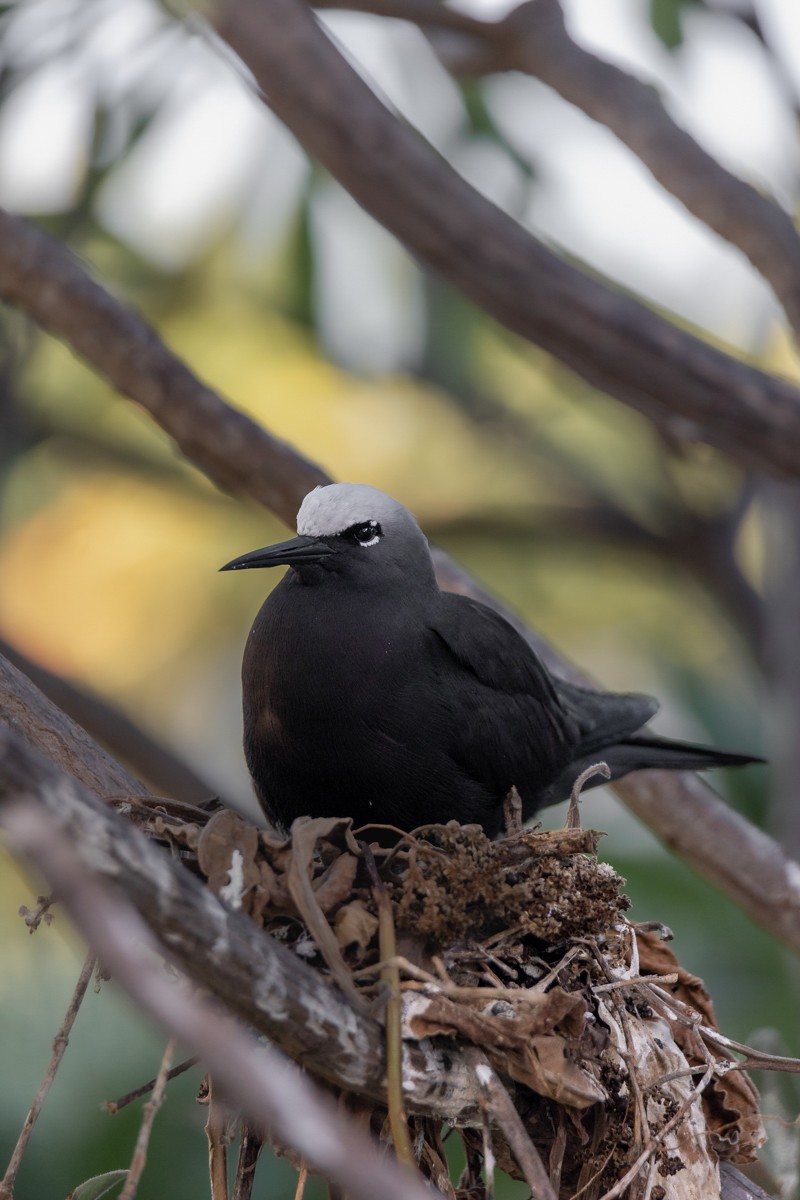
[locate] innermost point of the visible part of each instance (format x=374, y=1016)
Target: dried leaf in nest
x=730, y=1099
x=355, y=928
x=460, y=884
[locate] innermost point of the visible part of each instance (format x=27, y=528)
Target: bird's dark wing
x=603, y=718
x=511, y=726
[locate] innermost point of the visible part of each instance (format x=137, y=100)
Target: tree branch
x=608, y=338
x=533, y=38
x=270, y=1091
x=257, y=978
x=46, y=281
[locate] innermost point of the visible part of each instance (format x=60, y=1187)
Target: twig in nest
x=653, y=1145
x=149, y=1111
x=300, y=1190
x=114, y=1106
x=390, y=974
x=574, y=812
x=60, y=1043
x=510, y=1122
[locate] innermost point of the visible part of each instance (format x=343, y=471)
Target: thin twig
x=250, y=1147
x=114, y=1106
x=149, y=1111
x=510, y=1122
x=574, y=812
x=390, y=975
x=60, y=1043
x=300, y=1190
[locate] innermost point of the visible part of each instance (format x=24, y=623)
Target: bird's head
x=352, y=532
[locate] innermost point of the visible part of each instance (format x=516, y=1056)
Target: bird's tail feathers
x=647, y=752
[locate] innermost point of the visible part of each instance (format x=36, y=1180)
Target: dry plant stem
x=216, y=1131
x=390, y=977
x=250, y=1148
x=149, y=1111
x=656, y=1139
x=300, y=1190
x=60, y=1043
x=258, y=979
x=641, y=359
x=509, y=1121
x=158, y=765
x=114, y=1106
x=264, y=1086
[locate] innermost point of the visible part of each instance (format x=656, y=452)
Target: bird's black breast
x=374, y=710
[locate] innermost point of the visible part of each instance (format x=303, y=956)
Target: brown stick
x=149, y=1111
x=159, y=766
x=258, y=979
x=269, y=1090
x=60, y=1043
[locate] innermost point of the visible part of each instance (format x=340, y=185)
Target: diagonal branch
x=270, y=1091
x=533, y=38
x=258, y=979
x=608, y=338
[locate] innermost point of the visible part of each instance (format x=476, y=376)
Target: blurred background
x=653, y=563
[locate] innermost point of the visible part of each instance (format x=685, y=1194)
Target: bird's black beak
x=295, y=552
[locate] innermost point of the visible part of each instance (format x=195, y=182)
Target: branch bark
x=533, y=38
x=266, y=1088
x=258, y=979
x=607, y=338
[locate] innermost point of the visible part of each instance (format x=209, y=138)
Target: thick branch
x=608, y=338
x=257, y=978
x=44, y=279
x=270, y=1091
x=533, y=38
x=114, y=729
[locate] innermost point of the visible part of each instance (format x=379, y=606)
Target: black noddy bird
x=370, y=693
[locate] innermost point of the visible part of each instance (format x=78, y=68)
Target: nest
x=518, y=954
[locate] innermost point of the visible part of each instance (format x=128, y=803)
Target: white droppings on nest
x=233, y=891
x=484, y=1074
x=305, y=947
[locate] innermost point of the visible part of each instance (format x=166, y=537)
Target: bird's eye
x=368, y=533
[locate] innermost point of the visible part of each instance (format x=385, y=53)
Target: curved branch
x=608, y=338
x=270, y=1091
x=163, y=769
x=257, y=978
x=43, y=278
x=533, y=38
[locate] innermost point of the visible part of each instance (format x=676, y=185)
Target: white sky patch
x=45, y=130
x=191, y=170
x=367, y=290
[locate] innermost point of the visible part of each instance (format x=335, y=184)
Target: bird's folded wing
x=485, y=644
